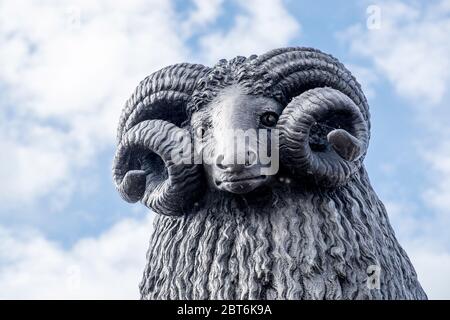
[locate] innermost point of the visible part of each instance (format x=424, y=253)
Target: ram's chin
x=241, y=186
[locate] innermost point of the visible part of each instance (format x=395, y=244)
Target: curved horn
x=323, y=136
x=142, y=162
x=291, y=72
x=162, y=95
x=145, y=168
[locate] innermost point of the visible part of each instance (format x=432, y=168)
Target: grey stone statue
x=308, y=226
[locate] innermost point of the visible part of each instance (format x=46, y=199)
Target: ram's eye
x=269, y=119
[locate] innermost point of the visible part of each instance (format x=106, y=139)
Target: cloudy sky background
x=67, y=67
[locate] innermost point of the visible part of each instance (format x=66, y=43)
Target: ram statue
x=255, y=170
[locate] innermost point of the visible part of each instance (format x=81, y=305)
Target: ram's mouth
x=241, y=185
x=240, y=179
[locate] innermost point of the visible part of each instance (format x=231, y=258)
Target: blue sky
x=66, y=69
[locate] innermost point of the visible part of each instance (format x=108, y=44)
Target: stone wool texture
x=314, y=230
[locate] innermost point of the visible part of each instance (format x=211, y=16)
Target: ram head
x=307, y=98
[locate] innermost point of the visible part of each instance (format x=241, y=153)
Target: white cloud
x=65, y=73
x=366, y=77
x=410, y=48
x=439, y=163
x=263, y=25
x=436, y=195
x=424, y=237
x=105, y=267
x=432, y=268
x=204, y=13
x=23, y=162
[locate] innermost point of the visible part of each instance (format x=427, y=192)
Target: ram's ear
x=147, y=134
x=345, y=144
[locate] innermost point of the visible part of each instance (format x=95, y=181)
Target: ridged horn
x=292, y=71
x=162, y=95
x=322, y=136
x=145, y=168
x=334, y=138
x=142, y=169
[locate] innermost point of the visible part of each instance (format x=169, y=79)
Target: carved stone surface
x=304, y=225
